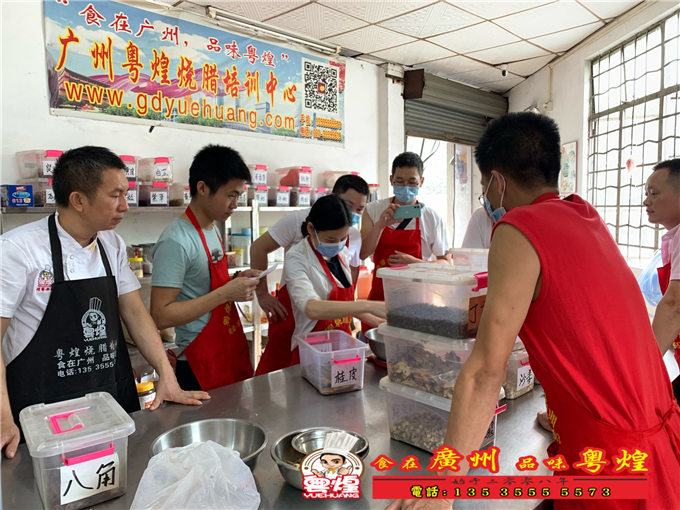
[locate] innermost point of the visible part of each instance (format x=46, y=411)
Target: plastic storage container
x=132, y=195
x=470, y=259
x=333, y=361
x=295, y=176
x=231, y=259
x=258, y=194
x=424, y=362
x=304, y=197
x=43, y=195
x=243, y=197
x=420, y=419
x=37, y=163
x=519, y=378
x=176, y=194
x=136, y=264
x=153, y=194
x=155, y=169
x=279, y=197
x=317, y=194
x=259, y=174
x=373, y=192
x=438, y=300
x=130, y=166
x=16, y=195
x=239, y=257
x=87, y=436
x=243, y=242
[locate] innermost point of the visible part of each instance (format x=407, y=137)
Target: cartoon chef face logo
x=334, y=471
x=217, y=255
x=45, y=279
x=94, y=322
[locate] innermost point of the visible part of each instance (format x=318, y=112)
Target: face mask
x=405, y=193
x=355, y=218
x=328, y=250
x=496, y=214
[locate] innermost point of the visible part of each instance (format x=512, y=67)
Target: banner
x=113, y=59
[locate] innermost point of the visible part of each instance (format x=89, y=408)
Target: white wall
x=570, y=83
x=27, y=123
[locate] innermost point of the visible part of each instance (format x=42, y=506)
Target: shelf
x=50, y=210
x=243, y=208
x=282, y=209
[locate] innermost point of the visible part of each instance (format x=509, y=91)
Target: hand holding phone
x=405, y=212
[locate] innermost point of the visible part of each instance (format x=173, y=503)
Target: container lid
x=62, y=427
x=421, y=396
x=284, y=188
x=326, y=337
x=260, y=167
x=35, y=180
x=139, y=259
x=415, y=336
x=519, y=355
x=159, y=185
x=128, y=158
x=161, y=160
x=246, y=232
x=321, y=190
x=304, y=189
x=53, y=153
x=374, y=185
x=144, y=386
x=429, y=273
x=131, y=184
x=300, y=168
x=262, y=188
x=238, y=249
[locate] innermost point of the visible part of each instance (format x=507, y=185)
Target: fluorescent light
x=244, y=23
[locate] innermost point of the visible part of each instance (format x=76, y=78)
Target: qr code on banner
x=321, y=86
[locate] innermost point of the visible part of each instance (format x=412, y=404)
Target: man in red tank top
x=558, y=279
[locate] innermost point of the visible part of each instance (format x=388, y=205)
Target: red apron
x=664, y=281
x=278, y=354
x=219, y=355
x=392, y=240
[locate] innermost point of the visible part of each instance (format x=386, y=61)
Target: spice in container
x=146, y=393
x=239, y=257
x=231, y=259
x=136, y=264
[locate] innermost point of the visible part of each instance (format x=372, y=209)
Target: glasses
x=481, y=199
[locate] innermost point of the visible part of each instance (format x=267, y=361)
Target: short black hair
x=673, y=166
x=328, y=213
x=524, y=146
x=216, y=165
x=344, y=459
x=406, y=160
x=81, y=170
x=347, y=182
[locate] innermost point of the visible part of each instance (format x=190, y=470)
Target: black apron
x=79, y=347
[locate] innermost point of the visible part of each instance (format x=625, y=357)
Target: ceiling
x=460, y=40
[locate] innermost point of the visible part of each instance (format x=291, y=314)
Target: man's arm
x=145, y=335
x=666, y=323
x=370, y=232
x=9, y=432
x=263, y=246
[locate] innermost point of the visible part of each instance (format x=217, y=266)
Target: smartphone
x=407, y=211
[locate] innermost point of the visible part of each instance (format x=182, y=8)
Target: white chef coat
x=478, y=233
x=288, y=232
x=434, y=242
x=306, y=281
x=670, y=251
x=25, y=253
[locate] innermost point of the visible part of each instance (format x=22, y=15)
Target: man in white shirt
x=478, y=233
x=65, y=283
x=286, y=233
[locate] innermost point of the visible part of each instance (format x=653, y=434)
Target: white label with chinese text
x=345, y=374
x=86, y=479
x=261, y=197
x=260, y=177
x=524, y=377
x=49, y=197
x=161, y=171
x=159, y=198
x=283, y=198
x=130, y=170
x=187, y=197
x=305, y=179
x=303, y=200
x=131, y=196
x=48, y=167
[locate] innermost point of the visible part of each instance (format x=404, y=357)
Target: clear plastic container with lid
x=424, y=362
x=295, y=176
x=333, y=361
x=331, y=176
x=88, y=436
x=130, y=166
x=153, y=194
x=259, y=174
x=258, y=194
x=176, y=194
x=470, y=259
x=434, y=299
x=317, y=194
x=420, y=419
x=373, y=192
x=519, y=378
x=43, y=194
x=132, y=194
x=300, y=197
x=37, y=163
x=155, y=169
x=279, y=197
x=243, y=197
x=136, y=264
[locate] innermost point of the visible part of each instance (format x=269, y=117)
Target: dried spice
x=425, y=370
x=39, y=199
x=294, y=198
x=177, y=202
x=431, y=319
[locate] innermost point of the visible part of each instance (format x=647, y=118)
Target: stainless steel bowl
x=314, y=439
x=247, y=438
x=377, y=343
x=288, y=459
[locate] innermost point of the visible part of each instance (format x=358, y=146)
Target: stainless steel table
x=282, y=402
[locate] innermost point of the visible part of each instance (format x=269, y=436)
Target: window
x=633, y=124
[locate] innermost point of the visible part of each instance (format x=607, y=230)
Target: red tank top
x=589, y=327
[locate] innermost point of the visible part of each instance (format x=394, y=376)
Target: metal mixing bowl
x=377, y=344
x=245, y=437
x=314, y=439
x=286, y=457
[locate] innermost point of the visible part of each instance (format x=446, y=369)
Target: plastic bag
x=649, y=281
x=197, y=476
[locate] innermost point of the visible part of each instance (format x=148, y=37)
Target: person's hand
x=316, y=472
x=370, y=319
x=400, y=258
x=543, y=420
x=343, y=471
x=376, y=308
x=250, y=273
x=419, y=504
x=240, y=289
x=271, y=306
x=387, y=217
x=167, y=389
x=9, y=435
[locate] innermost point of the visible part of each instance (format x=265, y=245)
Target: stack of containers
x=36, y=168
x=294, y=189
x=131, y=173
x=432, y=317
x=155, y=178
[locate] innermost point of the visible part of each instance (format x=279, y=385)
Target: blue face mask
x=355, y=218
x=328, y=250
x=495, y=214
x=405, y=193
